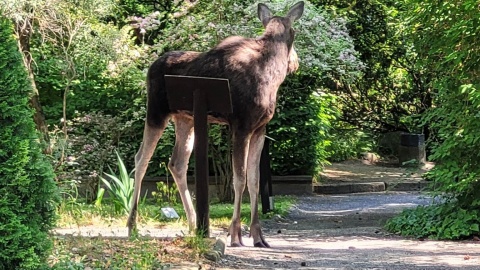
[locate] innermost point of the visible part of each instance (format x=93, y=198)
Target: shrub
x=301, y=130
x=440, y=221
x=120, y=187
x=29, y=194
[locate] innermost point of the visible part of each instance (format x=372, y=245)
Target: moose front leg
x=253, y=178
x=240, y=154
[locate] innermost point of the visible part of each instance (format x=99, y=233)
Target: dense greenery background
x=368, y=68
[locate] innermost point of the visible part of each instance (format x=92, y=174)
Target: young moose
x=255, y=69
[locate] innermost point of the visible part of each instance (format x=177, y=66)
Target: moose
x=255, y=68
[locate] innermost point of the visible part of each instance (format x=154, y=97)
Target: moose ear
x=264, y=14
x=296, y=11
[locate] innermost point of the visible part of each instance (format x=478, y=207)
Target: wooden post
x=266, y=179
x=201, y=161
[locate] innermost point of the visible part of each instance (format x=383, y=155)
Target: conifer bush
x=28, y=192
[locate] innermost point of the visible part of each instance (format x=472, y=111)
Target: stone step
x=355, y=187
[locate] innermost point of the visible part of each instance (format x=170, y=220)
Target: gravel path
x=345, y=232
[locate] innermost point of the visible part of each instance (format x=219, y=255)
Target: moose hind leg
x=151, y=135
x=178, y=165
x=253, y=177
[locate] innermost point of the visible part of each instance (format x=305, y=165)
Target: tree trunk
x=24, y=32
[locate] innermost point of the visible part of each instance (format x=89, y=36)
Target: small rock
x=75, y=250
x=213, y=255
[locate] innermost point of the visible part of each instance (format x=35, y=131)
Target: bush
x=301, y=130
x=29, y=194
x=348, y=142
x=440, y=221
x=90, y=149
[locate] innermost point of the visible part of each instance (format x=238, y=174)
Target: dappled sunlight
x=336, y=210
x=356, y=171
x=340, y=173
x=288, y=249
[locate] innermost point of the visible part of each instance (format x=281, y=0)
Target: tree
x=29, y=193
x=391, y=93
x=22, y=13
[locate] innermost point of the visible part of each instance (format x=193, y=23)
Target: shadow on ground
x=346, y=232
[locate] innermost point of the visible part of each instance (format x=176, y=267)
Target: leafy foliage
x=104, y=65
x=89, y=150
x=442, y=221
x=167, y=192
x=392, y=93
x=445, y=36
x=300, y=130
x=348, y=142
x=29, y=194
x=455, y=118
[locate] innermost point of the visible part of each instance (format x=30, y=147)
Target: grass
x=79, y=213
x=116, y=253
x=74, y=252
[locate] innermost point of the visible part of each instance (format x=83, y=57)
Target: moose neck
x=275, y=58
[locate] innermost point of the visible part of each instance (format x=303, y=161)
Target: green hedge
x=27, y=187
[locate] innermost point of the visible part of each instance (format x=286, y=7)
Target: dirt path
x=364, y=171
x=345, y=232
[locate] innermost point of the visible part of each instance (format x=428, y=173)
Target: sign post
x=200, y=95
x=266, y=193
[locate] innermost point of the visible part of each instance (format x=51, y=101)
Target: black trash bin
x=412, y=147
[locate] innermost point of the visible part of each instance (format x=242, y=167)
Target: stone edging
x=343, y=188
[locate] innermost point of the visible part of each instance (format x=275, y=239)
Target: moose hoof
x=237, y=244
x=262, y=244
